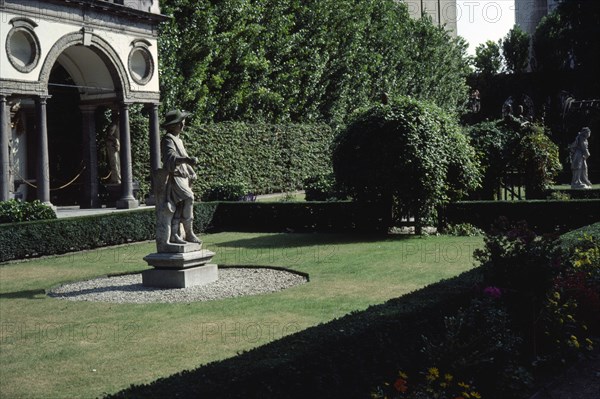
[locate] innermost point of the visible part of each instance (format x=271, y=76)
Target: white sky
x=481, y=20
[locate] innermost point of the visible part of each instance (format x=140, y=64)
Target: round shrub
x=409, y=152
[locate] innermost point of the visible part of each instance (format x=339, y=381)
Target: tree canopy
x=569, y=37
x=515, y=50
x=488, y=59
x=302, y=61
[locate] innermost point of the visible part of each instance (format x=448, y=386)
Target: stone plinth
x=181, y=267
x=180, y=278
x=180, y=260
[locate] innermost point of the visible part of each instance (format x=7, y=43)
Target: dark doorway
x=64, y=138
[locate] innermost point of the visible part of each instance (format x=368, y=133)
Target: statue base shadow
x=180, y=266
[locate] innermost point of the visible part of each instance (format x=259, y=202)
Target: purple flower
x=493, y=292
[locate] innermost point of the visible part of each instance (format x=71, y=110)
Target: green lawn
x=61, y=349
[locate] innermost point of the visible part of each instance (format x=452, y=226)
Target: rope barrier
x=52, y=189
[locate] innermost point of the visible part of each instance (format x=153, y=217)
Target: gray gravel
x=233, y=282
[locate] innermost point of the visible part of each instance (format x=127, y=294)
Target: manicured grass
x=56, y=348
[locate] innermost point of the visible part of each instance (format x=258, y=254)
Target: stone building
x=61, y=63
x=529, y=13
x=442, y=12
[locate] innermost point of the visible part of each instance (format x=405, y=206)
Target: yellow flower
x=463, y=385
x=434, y=372
x=448, y=377
x=402, y=374
x=556, y=295
x=475, y=395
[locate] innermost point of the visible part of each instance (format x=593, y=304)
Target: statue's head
x=175, y=120
x=586, y=132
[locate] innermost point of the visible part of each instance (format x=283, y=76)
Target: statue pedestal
x=182, y=267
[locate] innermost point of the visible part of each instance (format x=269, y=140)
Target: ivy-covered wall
x=263, y=158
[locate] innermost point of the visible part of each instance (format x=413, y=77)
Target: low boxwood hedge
x=541, y=215
x=344, y=216
x=23, y=240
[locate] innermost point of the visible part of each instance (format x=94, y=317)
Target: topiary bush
x=410, y=152
x=13, y=211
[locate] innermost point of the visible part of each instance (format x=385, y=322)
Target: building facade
x=442, y=12
x=529, y=13
x=63, y=61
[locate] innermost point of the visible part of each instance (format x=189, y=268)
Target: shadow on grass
x=27, y=294
x=342, y=358
x=286, y=240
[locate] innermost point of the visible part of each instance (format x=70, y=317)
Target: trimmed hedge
x=262, y=157
x=541, y=215
x=576, y=194
x=58, y=236
x=299, y=217
x=24, y=240
x=29, y=239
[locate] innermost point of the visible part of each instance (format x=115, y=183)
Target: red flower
x=400, y=385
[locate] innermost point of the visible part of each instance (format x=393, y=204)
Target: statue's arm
x=171, y=156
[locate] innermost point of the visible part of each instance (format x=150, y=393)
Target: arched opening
x=82, y=83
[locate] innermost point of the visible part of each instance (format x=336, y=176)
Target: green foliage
x=226, y=192
x=462, y=230
x=515, y=50
x=140, y=149
x=257, y=158
x=542, y=215
x=283, y=60
x=504, y=145
x=488, y=60
x=13, y=211
x=39, y=238
x=569, y=38
x=409, y=151
x=492, y=142
x=323, y=187
x=537, y=158
x=516, y=259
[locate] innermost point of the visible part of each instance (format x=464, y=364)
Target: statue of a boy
x=178, y=165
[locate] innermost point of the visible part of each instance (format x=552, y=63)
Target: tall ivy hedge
x=263, y=158
x=299, y=61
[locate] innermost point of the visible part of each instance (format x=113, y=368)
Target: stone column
x=43, y=171
x=127, y=200
x=4, y=155
x=154, y=147
x=90, y=198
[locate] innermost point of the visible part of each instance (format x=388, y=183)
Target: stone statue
x=112, y=150
x=579, y=155
x=175, y=199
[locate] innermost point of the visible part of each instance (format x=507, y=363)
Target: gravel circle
x=232, y=282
